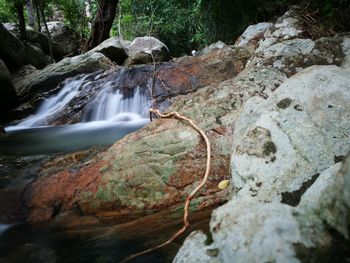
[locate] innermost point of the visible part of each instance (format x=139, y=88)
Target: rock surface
x=12, y=50
x=52, y=75
x=252, y=34
x=113, y=49
x=169, y=155
x=208, y=49
x=290, y=189
x=248, y=230
x=143, y=50
x=63, y=37
x=279, y=131
x=36, y=57
x=170, y=80
x=8, y=96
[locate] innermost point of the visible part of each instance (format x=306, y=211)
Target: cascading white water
x=111, y=104
x=108, y=117
x=53, y=104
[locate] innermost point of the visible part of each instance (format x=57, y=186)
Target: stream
x=107, y=117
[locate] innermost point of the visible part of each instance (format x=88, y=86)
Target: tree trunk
x=21, y=20
x=41, y=8
x=102, y=23
x=37, y=12
x=31, y=18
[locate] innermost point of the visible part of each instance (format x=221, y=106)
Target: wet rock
x=169, y=155
x=112, y=48
x=12, y=50
x=143, y=50
x=171, y=79
x=8, y=96
x=52, y=75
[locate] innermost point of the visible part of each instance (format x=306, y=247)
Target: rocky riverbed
x=276, y=108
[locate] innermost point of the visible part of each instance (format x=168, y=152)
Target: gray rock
x=248, y=230
x=63, y=37
x=12, y=50
x=287, y=27
x=293, y=135
x=252, y=34
x=4, y=72
x=143, y=50
x=208, y=49
x=8, y=96
x=285, y=149
x=290, y=48
x=194, y=250
x=112, y=48
x=12, y=27
x=52, y=75
x=42, y=39
x=35, y=56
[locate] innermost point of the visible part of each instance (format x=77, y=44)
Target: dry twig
x=186, y=225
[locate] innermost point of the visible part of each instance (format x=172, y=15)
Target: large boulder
x=286, y=154
x=143, y=50
x=36, y=57
x=12, y=50
x=41, y=39
x=253, y=34
x=214, y=46
x=52, y=75
x=63, y=37
x=249, y=230
x=169, y=155
x=113, y=48
x=169, y=80
x=8, y=96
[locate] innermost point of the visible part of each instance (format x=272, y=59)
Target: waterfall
x=54, y=104
x=107, y=113
x=111, y=104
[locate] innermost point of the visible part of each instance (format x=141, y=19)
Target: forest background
x=183, y=25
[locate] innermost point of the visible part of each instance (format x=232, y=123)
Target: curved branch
x=186, y=225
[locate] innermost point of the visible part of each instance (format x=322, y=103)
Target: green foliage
x=188, y=24
x=74, y=15
x=172, y=21
x=7, y=11
x=185, y=25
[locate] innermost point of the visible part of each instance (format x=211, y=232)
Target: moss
x=268, y=148
x=285, y=103
x=103, y=194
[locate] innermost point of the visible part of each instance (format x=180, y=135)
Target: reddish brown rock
x=168, y=79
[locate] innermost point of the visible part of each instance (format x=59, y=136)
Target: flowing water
x=109, y=116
